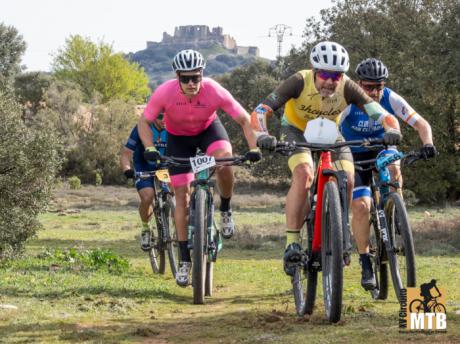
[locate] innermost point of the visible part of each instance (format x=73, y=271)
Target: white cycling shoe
x=146, y=240
x=183, y=274
x=227, y=225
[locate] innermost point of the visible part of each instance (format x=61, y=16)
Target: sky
x=128, y=25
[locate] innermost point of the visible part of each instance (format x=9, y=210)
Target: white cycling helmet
x=187, y=60
x=330, y=56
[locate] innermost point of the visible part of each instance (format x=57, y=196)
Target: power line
x=280, y=30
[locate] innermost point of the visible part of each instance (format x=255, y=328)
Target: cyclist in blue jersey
x=134, y=150
x=354, y=125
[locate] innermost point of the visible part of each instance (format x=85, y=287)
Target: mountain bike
x=391, y=241
x=432, y=306
x=326, y=235
x=204, y=239
x=164, y=238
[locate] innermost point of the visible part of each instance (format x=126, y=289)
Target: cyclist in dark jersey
x=425, y=291
x=134, y=150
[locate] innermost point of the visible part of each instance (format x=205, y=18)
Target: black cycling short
x=186, y=146
x=363, y=178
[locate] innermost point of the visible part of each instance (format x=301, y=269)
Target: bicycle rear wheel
x=170, y=230
x=402, y=257
x=157, y=251
x=209, y=278
x=332, y=252
x=299, y=287
x=310, y=298
x=299, y=280
x=376, y=249
x=199, y=242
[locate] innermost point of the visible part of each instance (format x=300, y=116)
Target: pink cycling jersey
x=189, y=117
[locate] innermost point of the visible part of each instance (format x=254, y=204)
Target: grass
x=64, y=302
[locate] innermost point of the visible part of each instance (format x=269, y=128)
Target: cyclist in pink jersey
x=189, y=104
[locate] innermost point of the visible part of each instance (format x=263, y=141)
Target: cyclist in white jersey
x=355, y=125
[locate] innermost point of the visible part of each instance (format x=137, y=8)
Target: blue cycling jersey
x=355, y=124
x=134, y=143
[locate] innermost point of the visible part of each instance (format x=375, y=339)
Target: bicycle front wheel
x=199, y=242
x=170, y=231
x=439, y=308
x=332, y=252
x=402, y=257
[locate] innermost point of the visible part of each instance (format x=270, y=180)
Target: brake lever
x=411, y=158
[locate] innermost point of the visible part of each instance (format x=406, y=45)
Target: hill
x=220, y=50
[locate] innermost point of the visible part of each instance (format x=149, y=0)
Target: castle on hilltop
x=199, y=36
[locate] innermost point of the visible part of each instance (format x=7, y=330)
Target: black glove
x=253, y=155
x=392, y=137
x=129, y=174
x=267, y=142
x=151, y=154
x=428, y=151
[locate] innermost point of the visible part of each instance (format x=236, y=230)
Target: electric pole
x=280, y=30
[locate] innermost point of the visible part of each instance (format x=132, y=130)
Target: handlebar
x=185, y=162
x=373, y=143
x=382, y=162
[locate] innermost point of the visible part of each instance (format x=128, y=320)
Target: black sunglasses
x=370, y=88
x=185, y=79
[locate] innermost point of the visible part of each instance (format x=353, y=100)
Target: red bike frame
x=325, y=163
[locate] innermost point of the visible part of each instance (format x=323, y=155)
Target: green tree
x=99, y=71
x=30, y=89
x=419, y=42
x=28, y=165
x=97, y=149
x=12, y=46
x=250, y=85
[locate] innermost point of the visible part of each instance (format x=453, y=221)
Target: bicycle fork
x=383, y=229
x=191, y=221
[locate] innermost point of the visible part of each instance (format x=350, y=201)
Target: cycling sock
x=224, y=203
x=184, y=251
x=365, y=261
x=292, y=237
x=145, y=226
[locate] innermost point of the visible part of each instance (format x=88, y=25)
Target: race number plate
x=163, y=175
x=321, y=130
x=202, y=162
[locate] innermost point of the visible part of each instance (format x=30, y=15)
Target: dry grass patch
x=435, y=237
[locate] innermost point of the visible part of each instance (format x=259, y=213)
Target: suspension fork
x=156, y=208
x=324, y=163
x=191, y=219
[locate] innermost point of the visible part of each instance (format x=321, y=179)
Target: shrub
x=28, y=164
x=94, y=259
x=97, y=178
x=74, y=183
